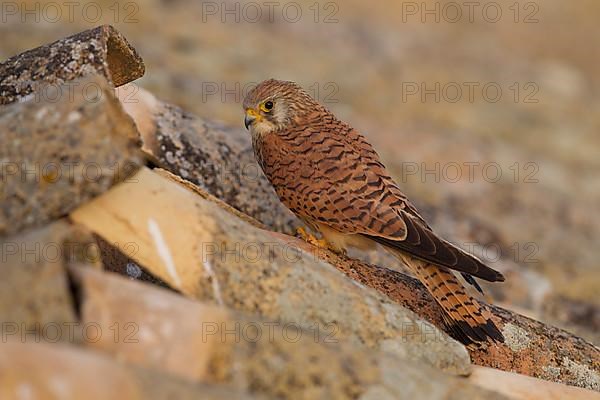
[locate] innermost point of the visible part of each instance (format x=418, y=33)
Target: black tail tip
x=467, y=334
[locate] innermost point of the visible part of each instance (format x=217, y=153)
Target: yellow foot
x=320, y=243
x=310, y=238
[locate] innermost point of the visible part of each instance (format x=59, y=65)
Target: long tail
x=468, y=320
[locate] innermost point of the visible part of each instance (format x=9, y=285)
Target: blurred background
x=487, y=113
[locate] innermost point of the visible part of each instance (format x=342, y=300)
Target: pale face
x=274, y=106
x=267, y=115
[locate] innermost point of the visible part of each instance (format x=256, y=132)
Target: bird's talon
x=307, y=236
x=320, y=243
x=301, y=232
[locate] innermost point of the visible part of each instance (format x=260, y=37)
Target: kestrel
x=327, y=174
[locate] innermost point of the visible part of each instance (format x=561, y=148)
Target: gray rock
x=207, y=253
x=35, y=299
x=102, y=50
x=200, y=342
x=57, y=155
x=218, y=159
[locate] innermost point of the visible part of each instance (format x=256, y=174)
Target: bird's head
x=274, y=105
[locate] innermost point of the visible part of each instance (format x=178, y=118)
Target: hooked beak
x=251, y=116
x=248, y=121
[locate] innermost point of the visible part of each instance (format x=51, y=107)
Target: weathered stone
x=57, y=155
x=217, y=158
x=35, y=300
x=531, y=347
x=102, y=50
x=207, y=253
x=47, y=372
x=521, y=387
x=198, y=342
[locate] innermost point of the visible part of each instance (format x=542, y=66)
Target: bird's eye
x=267, y=106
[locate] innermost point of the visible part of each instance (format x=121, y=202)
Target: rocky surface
x=530, y=347
x=207, y=255
x=34, y=290
x=90, y=144
x=521, y=387
x=225, y=259
x=162, y=330
x=102, y=51
x=202, y=251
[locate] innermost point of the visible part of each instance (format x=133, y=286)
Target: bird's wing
x=346, y=187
